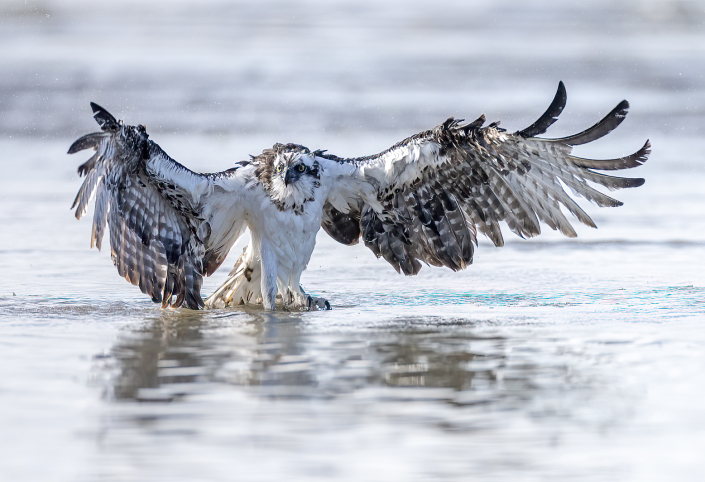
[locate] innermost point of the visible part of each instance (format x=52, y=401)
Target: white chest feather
x=290, y=236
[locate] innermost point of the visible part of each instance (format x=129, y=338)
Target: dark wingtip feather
x=548, y=117
x=626, y=162
x=86, y=142
x=104, y=119
x=623, y=107
x=608, y=123
x=626, y=182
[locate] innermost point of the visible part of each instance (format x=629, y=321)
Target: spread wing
x=163, y=237
x=425, y=198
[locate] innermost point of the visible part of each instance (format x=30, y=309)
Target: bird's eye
x=279, y=168
x=301, y=168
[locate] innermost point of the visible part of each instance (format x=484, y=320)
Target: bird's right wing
x=160, y=214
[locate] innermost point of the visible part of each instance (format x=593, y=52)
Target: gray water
x=548, y=359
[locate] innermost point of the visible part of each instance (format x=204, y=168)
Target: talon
x=327, y=305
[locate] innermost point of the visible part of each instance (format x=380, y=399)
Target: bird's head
x=290, y=175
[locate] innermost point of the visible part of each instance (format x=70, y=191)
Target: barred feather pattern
x=157, y=235
x=435, y=190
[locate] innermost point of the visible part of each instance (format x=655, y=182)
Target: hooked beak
x=287, y=177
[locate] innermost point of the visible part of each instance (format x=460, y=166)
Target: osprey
x=420, y=201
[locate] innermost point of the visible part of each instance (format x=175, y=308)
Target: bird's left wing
x=159, y=213
x=424, y=198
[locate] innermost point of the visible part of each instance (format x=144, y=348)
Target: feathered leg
x=243, y=285
x=268, y=262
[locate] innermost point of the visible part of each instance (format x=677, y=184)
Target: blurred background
x=334, y=68
x=549, y=359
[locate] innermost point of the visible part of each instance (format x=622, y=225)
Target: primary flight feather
x=421, y=201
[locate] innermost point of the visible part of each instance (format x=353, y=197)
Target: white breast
x=291, y=236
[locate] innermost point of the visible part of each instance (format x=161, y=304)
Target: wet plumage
x=420, y=202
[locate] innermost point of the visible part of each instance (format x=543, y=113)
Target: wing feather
x=153, y=207
x=609, y=123
x=547, y=118
x=100, y=215
x=432, y=192
x=626, y=162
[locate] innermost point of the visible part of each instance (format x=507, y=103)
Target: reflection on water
x=171, y=354
x=148, y=355
x=320, y=397
x=279, y=356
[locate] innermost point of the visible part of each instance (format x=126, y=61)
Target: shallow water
x=548, y=359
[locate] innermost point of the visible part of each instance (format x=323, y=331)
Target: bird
x=422, y=201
